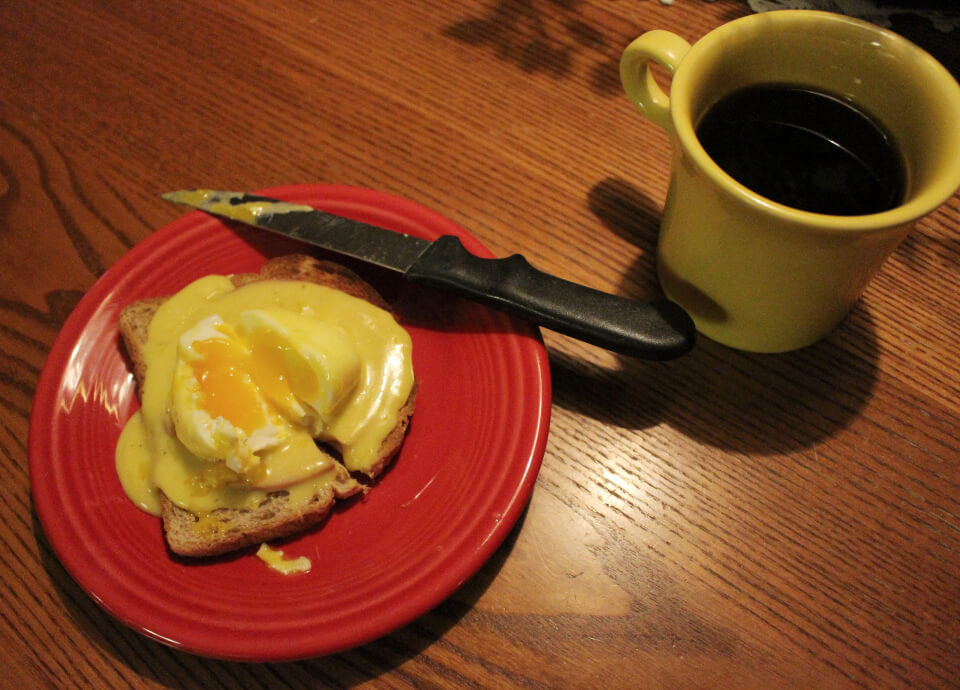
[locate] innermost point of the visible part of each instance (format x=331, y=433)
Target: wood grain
x=724, y=520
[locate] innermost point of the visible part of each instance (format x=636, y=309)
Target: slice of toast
x=226, y=530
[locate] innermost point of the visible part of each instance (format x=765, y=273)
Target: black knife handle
x=648, y=330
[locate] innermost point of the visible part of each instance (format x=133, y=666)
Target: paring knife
x=649, y=330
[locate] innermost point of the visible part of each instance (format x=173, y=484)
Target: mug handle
x=663, y=47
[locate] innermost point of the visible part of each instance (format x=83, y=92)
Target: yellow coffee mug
x=755, y=274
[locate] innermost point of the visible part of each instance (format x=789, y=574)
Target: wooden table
x=721, y=520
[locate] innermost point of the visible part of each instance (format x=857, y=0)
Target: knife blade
x=659, y=329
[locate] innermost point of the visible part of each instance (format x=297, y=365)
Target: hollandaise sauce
x=240, y=381
x=277, y=560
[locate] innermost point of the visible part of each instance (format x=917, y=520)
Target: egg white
x=215, y=439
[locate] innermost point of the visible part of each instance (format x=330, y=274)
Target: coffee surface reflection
x=804, y=148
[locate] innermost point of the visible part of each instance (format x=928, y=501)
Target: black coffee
x=805, y=149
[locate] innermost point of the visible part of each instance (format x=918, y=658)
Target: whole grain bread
x=226, y=530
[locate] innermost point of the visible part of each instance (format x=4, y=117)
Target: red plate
x=455, y=490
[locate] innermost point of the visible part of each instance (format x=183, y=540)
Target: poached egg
x=241, y=383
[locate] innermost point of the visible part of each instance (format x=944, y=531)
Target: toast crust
x=226, y=530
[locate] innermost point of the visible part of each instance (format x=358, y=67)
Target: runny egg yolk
x=284, y=377
x=233, y=372
x=242, y=387
x=304, y=372
x=226, y=382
